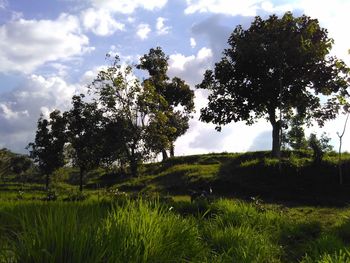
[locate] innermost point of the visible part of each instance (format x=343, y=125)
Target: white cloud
x=143, y=30
x=271, y=8
x=234, y=8
x=21, y=108
x=127, y=6
x=178, y=61
x=100, y=22
x=7, y=113
x=193, y=42
x=27, y=44
x=228, y=7
x=190, y=68
x=161, y=28
x=61, y=69
x=131, y=19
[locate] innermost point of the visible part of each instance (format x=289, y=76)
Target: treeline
x=14, y=164
x=121, y=120
x=278, y=69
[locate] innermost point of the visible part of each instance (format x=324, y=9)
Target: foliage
x=47, y=149
x=295, y=136
x=74, y=196
x=176, y=104
x=277, y=66
x=20, y=164
x=84, y=125
x=5, y=159
x=319, y=146
x=122, y=100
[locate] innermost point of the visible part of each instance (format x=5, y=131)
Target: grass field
x=141, y=230
x=261, y=210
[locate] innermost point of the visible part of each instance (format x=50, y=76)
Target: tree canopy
x=47, y=149
x=84, y=126
x=176, y=104
x=275, y=69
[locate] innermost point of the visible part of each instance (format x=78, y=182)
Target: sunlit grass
x=151, y=231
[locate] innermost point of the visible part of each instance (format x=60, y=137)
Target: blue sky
x=50, y=50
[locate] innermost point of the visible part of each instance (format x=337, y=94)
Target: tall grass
x=85, y=232
x=148, y=231
x=240, y=232
x=138, y=233
x=56, y=232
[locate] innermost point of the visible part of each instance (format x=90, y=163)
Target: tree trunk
x=276, y=139
x=164, y=155
x=172, y=149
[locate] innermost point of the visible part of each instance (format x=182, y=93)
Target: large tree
x=177, y=104
x=275, y=69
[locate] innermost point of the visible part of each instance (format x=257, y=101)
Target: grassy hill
x=295, y=179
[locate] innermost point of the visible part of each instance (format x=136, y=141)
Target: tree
x=319, y=147
x=5, y=160
x=295, y=137
x=340, y=136
x=177, y=104
x=20, y=164
x=47, y=149
x=274, y=69
x=127, y=107
x=84, y=130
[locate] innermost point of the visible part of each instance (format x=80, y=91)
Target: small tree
x=319, y=147
x=340, y=136
x=84, y=132
x=295, y=137
x=47, y=149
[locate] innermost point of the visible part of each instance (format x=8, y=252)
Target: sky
x=51, y=50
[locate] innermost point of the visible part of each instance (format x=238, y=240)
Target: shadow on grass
x=297, y=180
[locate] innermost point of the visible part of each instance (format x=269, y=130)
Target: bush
x=74, y=196
x=51, y=195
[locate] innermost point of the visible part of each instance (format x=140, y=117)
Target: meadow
x=141, y=230
x=261, y=210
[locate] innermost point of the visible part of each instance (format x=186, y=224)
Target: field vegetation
x=257, y=212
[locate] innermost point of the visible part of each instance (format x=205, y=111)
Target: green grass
x=151, y=231
x=97, y=232
x=295, y=180
x=299, y=213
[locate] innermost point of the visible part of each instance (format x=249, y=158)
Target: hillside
x=295, y=179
